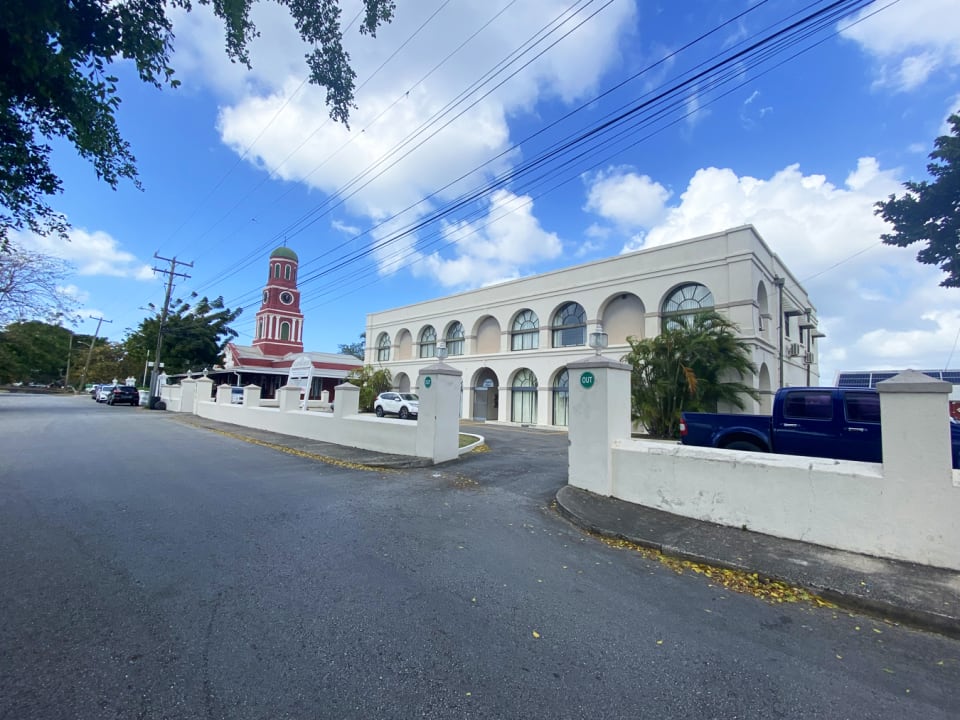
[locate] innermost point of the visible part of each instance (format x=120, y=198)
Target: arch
x=454, y=338
x=622, y=317
x=525, y=331
x=763, y=308
x=286, y=272
x=259, y=328
x=428, y=342
x=486, y=395
x=683, y=302
x=766, y=390
x=285, y=330
x=402, y=382
x=488, y=335
x=523, y=397
x=560, y=397
x=569, y=325
x=404, y=345
x=276, y=270
x=383, y=347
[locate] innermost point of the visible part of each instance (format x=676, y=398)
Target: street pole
x=86, y=366
x=66, y=375
x=171, y=273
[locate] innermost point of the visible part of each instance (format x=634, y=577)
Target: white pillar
x=346, y=400
x=204, y=392
x=251, y=396
x=915, y=429
x=289, y=397
x=438, y=422
x=599, y=415
x=223, y=394
x=188, y=393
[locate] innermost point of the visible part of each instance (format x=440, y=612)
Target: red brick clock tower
x=279, y=327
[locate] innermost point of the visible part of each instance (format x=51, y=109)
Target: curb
x=917, y=619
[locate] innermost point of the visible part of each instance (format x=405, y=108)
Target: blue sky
x=236, y=162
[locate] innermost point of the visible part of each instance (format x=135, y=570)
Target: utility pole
x=171, y=274
x=86, y=366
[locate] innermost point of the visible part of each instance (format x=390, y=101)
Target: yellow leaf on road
x=536, y=634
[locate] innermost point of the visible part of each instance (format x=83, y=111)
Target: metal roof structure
x=870, y=378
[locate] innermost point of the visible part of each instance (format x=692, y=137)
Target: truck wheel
x=743, y=445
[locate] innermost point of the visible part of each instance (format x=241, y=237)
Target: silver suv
x=402, y=404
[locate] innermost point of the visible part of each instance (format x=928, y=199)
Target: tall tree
x=30, y=286
x=372, y=382
x=33, y=351
x=929, y=212
x=194, y=336
x=55, y=82
x=356, y=349
x=690, y=366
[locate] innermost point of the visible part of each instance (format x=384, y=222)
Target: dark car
x=124, y=395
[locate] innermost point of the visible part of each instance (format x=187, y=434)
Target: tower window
x=286, y=272
x=285, y=330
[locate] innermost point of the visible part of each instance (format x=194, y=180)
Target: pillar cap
x=597, y=361
x=912, y=381
x=347, y=386
x=440, y=368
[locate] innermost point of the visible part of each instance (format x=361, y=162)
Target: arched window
x=561, y=398
x=525, y=331
x=570, y=326
x=285, y=330
x=428, y=342
x=523, y=397
x=286, y=272
x=683, y=303
x=276, y=270
x=455, y=339
x=260, y=328
x=383, y=347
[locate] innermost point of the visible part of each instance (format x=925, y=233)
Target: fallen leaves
x=772, y=591
x=536, y=635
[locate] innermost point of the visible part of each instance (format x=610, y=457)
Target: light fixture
x=206, y=371
x=598, y=339
x=442, y=350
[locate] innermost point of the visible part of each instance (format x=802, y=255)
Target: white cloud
x=286, y=123
x=91, y=253
x=498, y=247
x=625, y=198
x=868, y=295
x=909, y=40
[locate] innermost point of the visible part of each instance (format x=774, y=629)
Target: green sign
x=427, y=381
x=587, y=379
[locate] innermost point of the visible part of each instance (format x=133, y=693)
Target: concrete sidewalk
x=917, y=595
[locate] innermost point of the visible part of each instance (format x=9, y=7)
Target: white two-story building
x=513, y=340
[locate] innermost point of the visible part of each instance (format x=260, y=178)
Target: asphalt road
x=153, y=570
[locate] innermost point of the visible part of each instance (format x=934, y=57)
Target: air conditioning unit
x=794, y=349
x=808, y=358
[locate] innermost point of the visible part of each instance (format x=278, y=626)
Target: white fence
x=434, y=435
x=907, y=507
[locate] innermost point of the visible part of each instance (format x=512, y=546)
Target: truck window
x=810, y=405
x=862, y=407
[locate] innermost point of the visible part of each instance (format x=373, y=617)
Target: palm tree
x=695, y=364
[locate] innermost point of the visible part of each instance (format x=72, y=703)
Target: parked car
x=124, y=395
x=402, y=404
x=841, y=423
x=103, y=393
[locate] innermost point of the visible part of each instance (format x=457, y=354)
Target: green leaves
x=929, y=212
x=694, y=366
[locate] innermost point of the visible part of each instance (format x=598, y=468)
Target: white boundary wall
x=907, y=507
x=433, y=435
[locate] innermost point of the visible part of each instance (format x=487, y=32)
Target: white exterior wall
x=731, y=264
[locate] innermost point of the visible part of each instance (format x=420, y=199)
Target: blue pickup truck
x=839, y=423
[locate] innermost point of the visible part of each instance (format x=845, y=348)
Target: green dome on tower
x=285, y=252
